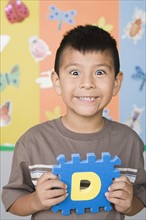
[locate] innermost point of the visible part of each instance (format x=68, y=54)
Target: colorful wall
x=30, y=34
x=27, y=51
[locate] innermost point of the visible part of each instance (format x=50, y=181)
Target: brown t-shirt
x=37, y=149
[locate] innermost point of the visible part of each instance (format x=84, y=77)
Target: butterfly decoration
x=11, y=78
x=139, y=75
x=61, y=16
x=55, y=114
x=16, y=11
x=5, y=114
x=102, y=24
x=44, y=80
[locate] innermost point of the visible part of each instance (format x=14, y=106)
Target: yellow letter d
x=87, y=193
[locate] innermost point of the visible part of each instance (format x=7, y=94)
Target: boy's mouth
x=87, y=98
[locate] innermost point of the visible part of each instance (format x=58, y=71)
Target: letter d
x=88, y=193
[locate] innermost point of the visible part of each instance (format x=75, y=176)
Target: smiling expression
x=86, y=81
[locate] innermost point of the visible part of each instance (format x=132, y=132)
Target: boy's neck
x=83, y=124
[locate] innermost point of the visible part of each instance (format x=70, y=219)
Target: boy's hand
x=121, y=194
x=46, y=193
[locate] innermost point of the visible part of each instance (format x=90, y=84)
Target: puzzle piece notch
x=103, y=167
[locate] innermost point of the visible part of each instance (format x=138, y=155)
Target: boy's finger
x=117, y=186
x=120, y=194
x=47, y=176
x=57, y=200
x=55, y=184
x=120, y=183
x=56, y=193
x=122, y=178
x=115, y=201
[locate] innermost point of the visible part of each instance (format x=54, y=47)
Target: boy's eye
x=100, y=72
x=74, y=73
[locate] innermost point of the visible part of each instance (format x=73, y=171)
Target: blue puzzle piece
x=101, y=172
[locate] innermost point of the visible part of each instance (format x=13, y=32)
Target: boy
x=87, y=76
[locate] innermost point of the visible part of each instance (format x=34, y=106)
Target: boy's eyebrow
x=72, y=64
x=96, y=65
x=104, y=65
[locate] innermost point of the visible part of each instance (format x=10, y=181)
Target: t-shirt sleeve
x=20, y=181
x=140, y=183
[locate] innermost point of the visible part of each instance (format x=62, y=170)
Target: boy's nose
x=87, y=82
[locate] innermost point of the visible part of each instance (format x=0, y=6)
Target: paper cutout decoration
x=133, y=121
x=139, y=75
x=106, y=114
x=5, y=114
x=11, y=78
x=4, y=40
x=55, y=114
x=38, y=48
x=102, y=24
x=74, y=173
x=134, y=29
x=44, y=80
x=16, y=11
x=60, y=16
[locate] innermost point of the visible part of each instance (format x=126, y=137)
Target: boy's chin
x=88, y=114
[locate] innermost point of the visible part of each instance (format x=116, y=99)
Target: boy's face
x=86, y=82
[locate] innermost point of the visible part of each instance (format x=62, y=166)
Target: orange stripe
x=87, y=12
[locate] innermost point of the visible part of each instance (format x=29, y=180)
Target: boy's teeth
x=87, y=98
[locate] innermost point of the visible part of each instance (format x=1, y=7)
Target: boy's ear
x=118, y=83
x=56, y=82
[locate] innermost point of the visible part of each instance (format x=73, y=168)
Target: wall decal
x=38, y=48
x=44, y=80
x=55, y=114
x=4, y=40
x=5, y=114
x=11, y=78
x=133, y=120
x=139, y=75
x=134, y=29
x=102, y=24
x=16, y=11
x=61, y=16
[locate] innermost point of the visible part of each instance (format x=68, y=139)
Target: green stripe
x=11, y=148
x=6, y=148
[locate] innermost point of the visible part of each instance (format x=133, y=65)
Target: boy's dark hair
x=88, y=38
